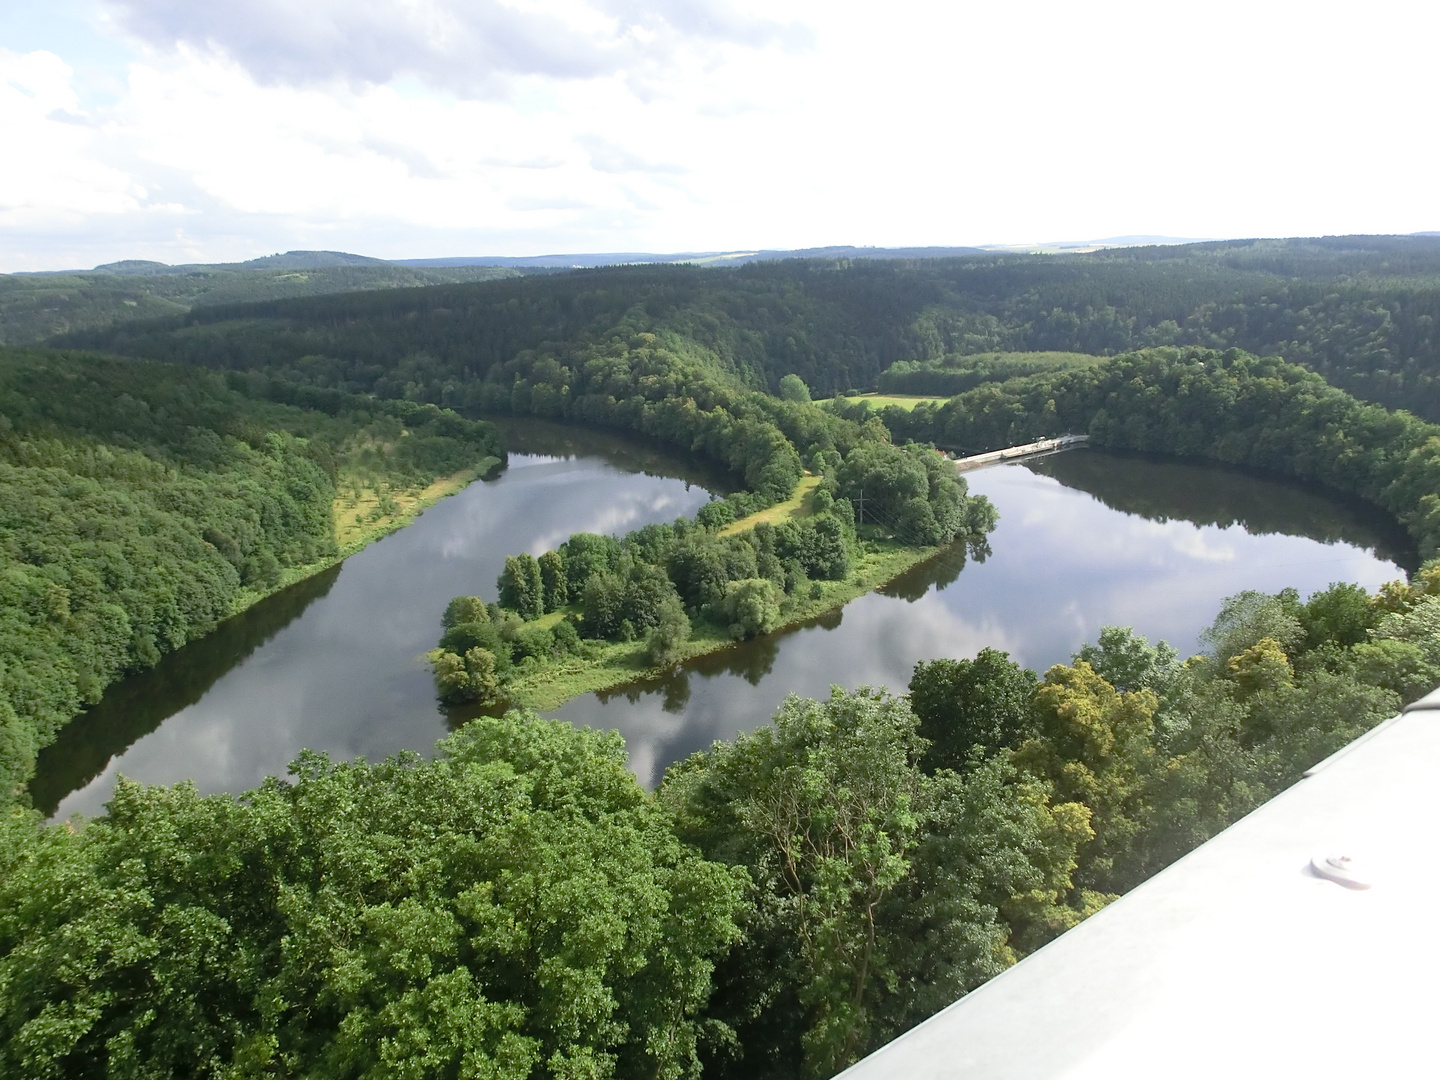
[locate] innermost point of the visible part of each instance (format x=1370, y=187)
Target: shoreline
x=411, y=507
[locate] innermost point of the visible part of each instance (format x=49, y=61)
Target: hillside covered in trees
x=1364, y=312
x=1227, y=407
x=141, y=504
x=34, y=307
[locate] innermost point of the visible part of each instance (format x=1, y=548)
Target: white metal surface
x=1239, y=960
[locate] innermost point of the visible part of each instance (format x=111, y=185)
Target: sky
x=200, y=132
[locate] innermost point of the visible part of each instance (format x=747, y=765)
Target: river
x=1085, y=539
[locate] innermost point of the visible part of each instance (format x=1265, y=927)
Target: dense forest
x=1364, y=312
x=1227, y=407
x=141, y=504
x=34, y=307
x=518, y=905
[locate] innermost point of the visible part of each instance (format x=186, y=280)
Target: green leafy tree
x=602, y=605
x=1418, y=625
x=516, y=908
x=821, y=808
x=793, y=388
x=1403, y=667
x=586, y=554
x=911, y=491
x=875, y=887
x=962, y=704
x=715, y=515
x=1127, y=661
x=698, y=568
x=1095, y=746
x=1308, y=719
x=671, y=630
x=489, y=634
x=554, y=581
x=751, y=607
x=521, y=587
x=1247, y=617
x=468, y=677
x=1342, y=614
x=465, y=609
x=1263, y=666
x=821, y=544
x=648, y=591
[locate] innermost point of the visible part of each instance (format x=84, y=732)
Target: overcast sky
x=206, y=130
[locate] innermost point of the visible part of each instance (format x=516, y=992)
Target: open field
x=799, y=505
x=361, y=519
x=904, y=401
x=364, y=514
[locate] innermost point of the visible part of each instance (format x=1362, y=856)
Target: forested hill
x=140, y=504
x=34, y=307
x=1364, y=312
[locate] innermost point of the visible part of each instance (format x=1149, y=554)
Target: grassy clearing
x=616, y=664
x=904, y=401
x=365, y=514
x=799, y=505
x=1026, y=359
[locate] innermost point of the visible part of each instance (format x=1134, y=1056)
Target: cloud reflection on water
x=1064, y=564
x=343, y=677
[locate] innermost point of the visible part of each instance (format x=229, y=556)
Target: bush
x=567, y=639
x=716, y=515
x=536, y=641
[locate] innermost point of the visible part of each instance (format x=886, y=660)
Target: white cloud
x=470, y=47
x=432, y=127
x=58, y=176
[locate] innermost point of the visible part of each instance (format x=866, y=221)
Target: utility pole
x=860, y=510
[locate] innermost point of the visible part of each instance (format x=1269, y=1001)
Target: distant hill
x=133, y=266
x=308, y=260
x=1363, y=311
x=1084, y=247
x=548, y=262
x=1256, y=293
x=290, y=260
x=730, y=258
x=34, y=307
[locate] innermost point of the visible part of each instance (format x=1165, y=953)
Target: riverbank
x=611, y=665
x=366, y=516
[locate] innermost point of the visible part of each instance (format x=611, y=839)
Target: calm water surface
x=1085, y=539
x=333, y=664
